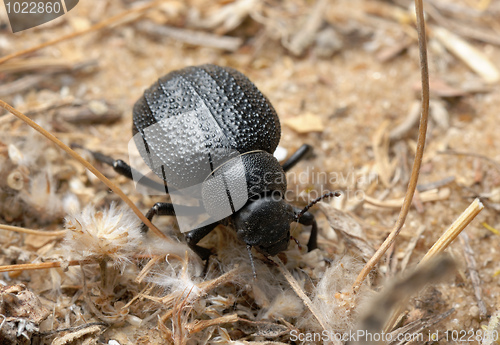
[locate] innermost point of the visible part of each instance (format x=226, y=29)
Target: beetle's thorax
x=240, y=180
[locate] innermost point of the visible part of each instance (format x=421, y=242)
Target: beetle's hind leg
x=308, y=219
x=122, y=168
x=118, y=165
x=296, y=157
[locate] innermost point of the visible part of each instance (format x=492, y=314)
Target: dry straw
x=439, y=247
x=412, y=186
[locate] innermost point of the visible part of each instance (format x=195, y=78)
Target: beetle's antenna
x=249, y=248
x=314, y=202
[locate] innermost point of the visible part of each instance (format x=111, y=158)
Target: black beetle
x=190, y=127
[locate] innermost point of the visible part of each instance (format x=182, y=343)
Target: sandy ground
x=343, y=82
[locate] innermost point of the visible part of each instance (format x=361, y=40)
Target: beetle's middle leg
x=308, y=219
x=168, y=209
x=193, y=236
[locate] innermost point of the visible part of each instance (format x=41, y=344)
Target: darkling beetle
x=219, y=108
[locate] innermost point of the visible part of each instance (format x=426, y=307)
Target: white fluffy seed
x=113, y=233
x=15, y=180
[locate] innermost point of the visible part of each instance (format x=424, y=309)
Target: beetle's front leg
x=308, y=219
x=195, y=236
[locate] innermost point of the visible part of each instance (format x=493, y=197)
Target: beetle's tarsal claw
x=249, y=248
x=296, y=241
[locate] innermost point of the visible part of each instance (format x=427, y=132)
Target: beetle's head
x=264, y=223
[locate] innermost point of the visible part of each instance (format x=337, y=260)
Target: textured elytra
x=193, y=120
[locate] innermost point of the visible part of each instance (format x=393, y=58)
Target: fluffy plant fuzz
x=285, y=305
x=179, y=278
x=42, y=196
x=333, y=297
x=112, y=234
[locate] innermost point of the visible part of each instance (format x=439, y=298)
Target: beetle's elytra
x=190, y=127
x=205, y=108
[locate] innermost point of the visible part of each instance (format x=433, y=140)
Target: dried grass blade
x=199, y=325
x=44, y=265
x=454, y=230
x=418, y=155
x=469, y=55
x=32, y=231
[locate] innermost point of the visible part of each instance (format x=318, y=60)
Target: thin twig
x=428, y=196
x=436, y=184
x=462, y=28
x=44, y=265
x=21, y=84
x=71, y=329
x=454, y=230
x=46, y=66
x=194, y=37
x=199, y=325
x=418, y=155
x=86, y=164
x=472, y=57
x=32, y=231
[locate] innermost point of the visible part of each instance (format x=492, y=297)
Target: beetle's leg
x=118, y=165
x=296, y=157
x=308, y=219
x=124, y=169
x=168, y=209
x=195, y=236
